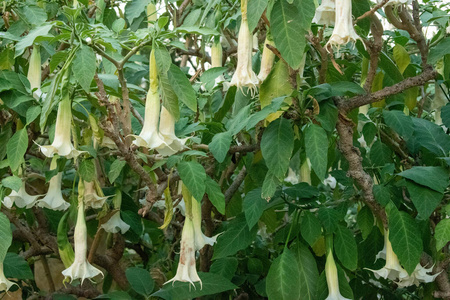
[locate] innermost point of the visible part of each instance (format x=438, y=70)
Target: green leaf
x=425, y=200
x=329, y=218
x=5, y=236
x=84, y=66
x=182, y=87
x=316, y=147
x=211, y=284
x=253, y=206
x=365, y=221
x=118, y=25
x=6, y=59
x=288, y=32
x=225, y=267
x=87, y=170
x=308, y=272
x=328, y=115
x=442, y=234
x=306, y=9
x=34, y=14
x=15, y=266
x=16, y=148
x=65, y=249
x=263, y=113
x=380, y=154
x=381, y=194
x=140, y=280
x=277, y=144
x=276, y=84
x=346, y=88
x=431, y=137
x=401, y=57
x=134, y=9
x=194, y=177
x=28, y=40
x=163, y=59
x=445, y=114
x=170, y=99
x=435, y=178
x=12, y=182
x=236, y=237
x=215, y=195
x=398, y=121
x=310, y=228
x=283, y=278
x=32, y=113
x=345, y=247
x=269, y=186
x=197, y=30
x=438, y=51
x=220, y=145
x=405, y=238
x=255, y=9
x=115, y=169
x=209, y=76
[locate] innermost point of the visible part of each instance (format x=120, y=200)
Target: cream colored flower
x=420, y=274
x=392, y=269
x=34, y=72
x=5, y=284
x=305, y=172
x=81, y=268
x=91, y=195
x=167, y=132
x=331, y=274
x=187, y=271
x=115, y=224
x=62, y=144
x=216, y=54
x=244, y=75
x=292, y=177
x=325, y=13
x=343, y=32
x=200, y=239
x=54, y=198
x=21, y=198
x=268, y=57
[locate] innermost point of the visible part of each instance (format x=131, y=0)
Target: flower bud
x=34, y=71
x=268, y=57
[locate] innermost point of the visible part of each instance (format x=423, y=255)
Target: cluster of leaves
x=267, y=169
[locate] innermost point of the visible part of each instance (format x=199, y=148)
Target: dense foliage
x=277, y=149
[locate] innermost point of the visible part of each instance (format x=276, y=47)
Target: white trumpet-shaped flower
x=420, y=274
x=343, y=31
x=5, y=284
x=81, y=268
x=244, y=75
x=325, y=13
x=54, y=198
x=200, y=239
x=392, y=269
x=115, y=224
x=331, y=273
x=167, y=132
x=267, y=59
x=62, y=144
x=91, y=195
x=187, y=271
x=216, y=54
x=21, y=198
x=34, y=72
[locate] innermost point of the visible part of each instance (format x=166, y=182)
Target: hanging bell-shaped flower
x=54, y=199
x=325, y=13
x=62, y=144
x=115, y=223
x=392, y=269
x=244, y=75
x=419, y=275
x=267, y=59
x=150, y=136
x=34, y=72
x=5, y=284
x=343, y=32
x=21, y=198
x=81, y=268
x=187, y=271
x=91, y=194
x=167, y=132
x=331, y=274
x=200, y=239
